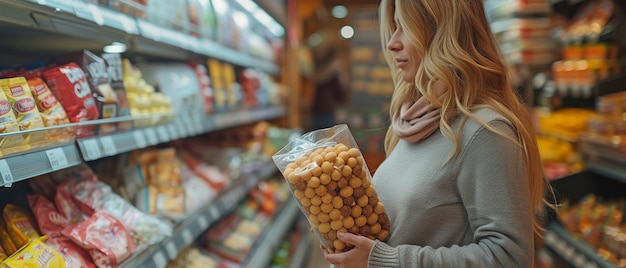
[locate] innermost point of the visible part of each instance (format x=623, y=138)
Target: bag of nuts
x=328, y=177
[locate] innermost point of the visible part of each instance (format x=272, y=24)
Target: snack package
x=7, y=244
x=8, y=124
x=51, y=110
x=329, y=178
x=74, y=256
x=28, y=117
x=116, y=75
x=50, y=221
x=35, y=255
x=20, y=225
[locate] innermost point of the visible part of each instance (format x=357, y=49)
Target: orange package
x=50, y=108
x=20, y=225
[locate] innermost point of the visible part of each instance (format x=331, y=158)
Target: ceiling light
x=339, y=11
x=115, y=47
x=347, y=32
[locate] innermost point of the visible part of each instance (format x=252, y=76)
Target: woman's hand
x=356, y=257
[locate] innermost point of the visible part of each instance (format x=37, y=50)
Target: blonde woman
x=462, y=182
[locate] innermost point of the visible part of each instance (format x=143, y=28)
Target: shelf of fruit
x=187, y=231
x=29, y=160
x=97, y=23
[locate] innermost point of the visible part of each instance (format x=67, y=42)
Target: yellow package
x=3, y=254
x=6, y=242
x=50, y=108
x=8, y=124
x=20, y=225
x=36, y=255
x=28, y=117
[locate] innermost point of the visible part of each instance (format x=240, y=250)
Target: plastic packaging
x=327, y=174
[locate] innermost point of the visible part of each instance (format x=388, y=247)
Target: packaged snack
x=328, y=176
x=3, y=254
x=18, y=93
x=74, y=256
x=66, y=205
x=116, y=75
x=69, y=85
x=50, y=221
x=49, y=107
x=104, y=237
x=36, y=255
x=7, y=244
x=43, y=185
x=8, y=124
x=20, y=225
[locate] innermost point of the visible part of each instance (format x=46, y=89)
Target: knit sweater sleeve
x=493, y=186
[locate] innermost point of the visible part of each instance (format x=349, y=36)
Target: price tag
x=187, y=237
x=57, y=158
x=108, y=145
x=140, y=139
x=171, y=250
x=203, y=222
x=214, y=212
x=162, y=132
x=92, y=150
x=159, y=259
x=152, y=136
x=5, y=171
x=97, y=14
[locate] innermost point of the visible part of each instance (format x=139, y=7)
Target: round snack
x=332, y=184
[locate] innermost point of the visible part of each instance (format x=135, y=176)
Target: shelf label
x=162, y=131
x=98, y=18
x=187, y=237
x=171, y=250
x=140, y=139
x=108, y=145
x=57, y=158
x=203, y=222
x=159, y=259
x=5, y=171
x=92, y=150
x=152, y=136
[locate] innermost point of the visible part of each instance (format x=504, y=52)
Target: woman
x=462, y=182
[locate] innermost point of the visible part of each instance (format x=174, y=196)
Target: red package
x=104, y=237
x=74, y=256
x=69, y=85
x=65, y=203
x=89, y=194
x=49, y=220
x=206, y=91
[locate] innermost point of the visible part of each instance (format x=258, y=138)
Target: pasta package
x=329, y=178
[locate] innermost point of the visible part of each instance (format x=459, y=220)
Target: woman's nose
x=393, y=44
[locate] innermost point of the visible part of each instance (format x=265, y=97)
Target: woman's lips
x=401, y=63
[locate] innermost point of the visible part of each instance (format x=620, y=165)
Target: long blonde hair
x=458, y=50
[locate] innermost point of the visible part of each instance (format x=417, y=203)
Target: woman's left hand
x=355, y=257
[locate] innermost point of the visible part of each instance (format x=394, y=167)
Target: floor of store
x=316, y=257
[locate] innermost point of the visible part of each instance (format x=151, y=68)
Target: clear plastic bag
x=329, y=178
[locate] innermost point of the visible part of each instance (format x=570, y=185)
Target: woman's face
x=404, y=53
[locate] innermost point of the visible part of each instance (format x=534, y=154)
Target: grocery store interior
x=148, y=133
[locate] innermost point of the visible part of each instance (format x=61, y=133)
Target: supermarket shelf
x=574, y=252
x=605, y=159
x=261, y=255
x=302, y=251
x=33, y=163
x=95, y=23
x=157, y=256
x=93, y=148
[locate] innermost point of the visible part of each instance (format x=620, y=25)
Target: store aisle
x=316, y=257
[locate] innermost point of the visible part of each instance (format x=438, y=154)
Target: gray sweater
x=472, y=211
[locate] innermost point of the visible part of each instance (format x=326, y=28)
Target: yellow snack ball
x=292, y=178
x=298, y=194
x=344, y=155
x=356, y=182
x=300, y=160
x=339, y=162
x=326, y=207
x=335, y=214
x=336, y=224
x=322, y=217
x=321, y=190
x=309, y=192
x=316, y=200
x=348, y=222
x=371, y=220
x=337, y=202
x=362, y=201
x=346, y=191
x=325, y=178
x=319, y=151
x=354, y=152
x=360, y=160
x=314, y=220
x=370, y=191
x=346, y=171
x=292, y=165
x=339, y=245
x=306, y=202
x=375, y=228
x=360, y=221
x=330, y=156
x=366, y=183
x=383, y=235
x=306, y=164
x=332, y=234
x=352, y=162
x=305, y=175
x=327, y=199
x=327, y=167
x=340, y=147
x=316, y=171
x=288, y=171
x=324, y=227
x=316, y=210
x=335, y=175
x=356, y=211
x=318, y=159
x=314, y=182
x=379, y=208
